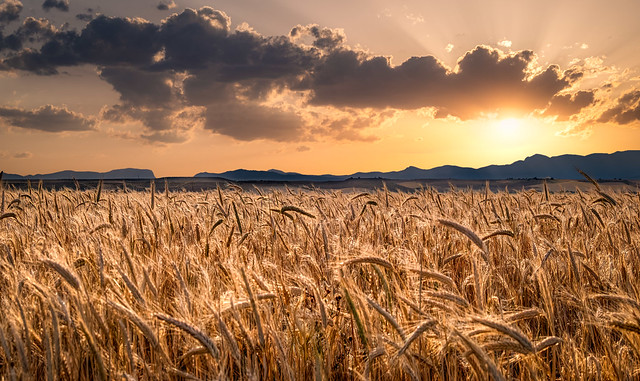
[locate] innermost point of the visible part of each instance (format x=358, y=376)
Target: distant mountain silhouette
x=126, y=173
x=618, y=165
x=270, y=175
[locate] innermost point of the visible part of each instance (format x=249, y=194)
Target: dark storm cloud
x=46, y=118
x=155, y=118
x=36, y=29
x=249, y=56
x=164, y=6
x=626, y=110
x=199, y=40
x=567, y=105
x=86, y=17
x=32, y=30
x=114, y=41
x=348, y=78
x=104, y=41
x=485, y=81
x=9, y=11
x=192, y=39
x=138, y=87
x=324, y=38
x=194, y=59
x=32, y=26
x=203, y=88
x=10, y=42
x=61, y=5
x=56, y=51
x=180, y=124
x=251, y=122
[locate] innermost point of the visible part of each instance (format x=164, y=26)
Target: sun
x=509, y=124
x=508, y=128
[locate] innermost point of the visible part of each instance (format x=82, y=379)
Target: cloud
x=485, y=81
x=36, y=29
x=191, y=40
x=579, y=130
x=505, y=43
x=449, y=48
x=163, y=5
x=46, y=118
x=351, y=124
x=194, y=38
x=114, y=41
x=251, y=121
x=86, y=17
x=567, y=105
x=625, y=111
x=56, y=51
x=161, y=125
x=31, y=31
x=22, y=155
x=324, y=38
x=61, y=5
x=158, y=119
x=15, y=155
x=104, y=41
x=139, y=87
x=11, y=42
x=40, y=27
x=300, y=86
x=9, y=11
x=385, y=13
x=415, y=18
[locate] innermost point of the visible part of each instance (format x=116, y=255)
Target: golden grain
x=105, y=284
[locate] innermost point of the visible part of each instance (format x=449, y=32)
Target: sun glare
x=508, y=128
x=509, y=124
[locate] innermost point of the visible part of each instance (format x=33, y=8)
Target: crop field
x=305, y=284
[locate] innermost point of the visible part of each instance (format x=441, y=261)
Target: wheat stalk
x=372, y=260
x=193, y=331
x=254, y=307
x=482, y=356
x=415, y=334
x=65, y=273
x=513, y=332
x=387, y=316
x=142, y=326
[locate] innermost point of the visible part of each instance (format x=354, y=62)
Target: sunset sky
x=185, y=86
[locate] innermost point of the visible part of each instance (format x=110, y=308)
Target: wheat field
x=316, y=284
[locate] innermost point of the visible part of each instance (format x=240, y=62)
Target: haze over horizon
x=334, y=87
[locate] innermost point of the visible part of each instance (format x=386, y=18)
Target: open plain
x=310, y=283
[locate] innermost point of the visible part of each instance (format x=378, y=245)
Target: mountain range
x=617, y=165
x=116, y=174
